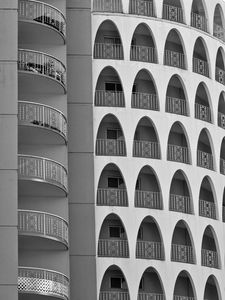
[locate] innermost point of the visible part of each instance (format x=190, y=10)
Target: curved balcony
x=178, y=154
x=34, y=171
x=198, y=21
x=144, y=101
x=205, y=160
x=112, y=197
x=49, y=72
x=207, y=209
x=44, y=225
x=174, y=59
x=146, y=149
x=141, y=7
x=149, y=250
x=41, y=17
x=110, y=147
x=180, y=203
x=148, y=199
x=200, y=66
x=221, y=120
x=109, y=98
x=112, y=6
x=210, y=258
x=143, y=53
x=113, y=248
x=220, y=75
x=153, y=296
x=172, y=13
x=108, y=51
x=176, y=106
x=116, y=295
x=35, y=116
x=38, y=281
x=182, y=253
x=203, y=113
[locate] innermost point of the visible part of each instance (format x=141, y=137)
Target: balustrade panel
x=146, y=149
x=150, y=296
x=149, y=250
x=115, y=295
x=176, y=106
x=218, y=32
x=222, y=166
x=112, y=197
x=172, y=13
x=180, y=203
x=220, y=75
x=143, y=53
x=210, y=258
x=182, y=253
x=198, y=21
x=178, y=154
x=200, y=66
x=141, y=7
x=205, y=160
x=221, y=120
x=203, y=112
x=108, y=51
x=114, y=6
x=109, y=98
x=207, y=209
x=144, y=101
x=148, y=199
x=174, y=59
x=113, y=248
x=110, y=147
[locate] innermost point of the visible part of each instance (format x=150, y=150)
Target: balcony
x=176, y=106
x=218, y=32
x=172, y=13
x=180, y=203
x=115, y=295
x=146, y=149
x=36, y=281
x=176, y=297
x=174, y=59
x=207, y=209
x=112, y=6
x=150, y=296
x=198, y=21
x=182, y=253
x=200, y=66
x=221, y=120
x=108, y=51
x=178, y=154
x=36, y=19
x=220, y=75
x=149, y=250
x=34, y=171
x=141, y=7
x=143, y=53
x=36, y=67
x=112, y=197
x=113, y=248
x=44, y=225
x=203, y=113
x=35, y=116
x=110, y=147
x=109, y=98
x=210, y=259
x=205, y=160
x=144, y=101
x=148, y=199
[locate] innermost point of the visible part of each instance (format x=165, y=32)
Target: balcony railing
x=112, y=197
x=114, y=6
x=36, y=114
x=176, y=297
x=149, y=250
x=180, y=203
x=42, y=169
x=222, y=166
x=115, y=295
x=198, y=21
x=182, y=253
x=221, y=120
x=207, y=209
x=41, y=63
x=220, y=75
x=36, y=223
x=108, y=51
x=203, y=113
x=148, y=199
x=176, y=106
x=172, y=13
x=109, y=98
x=218, y=31
x=174, y=59
x=200, y=66
x=113, y=248
x=144, y=101
x=141, y=7
x=150, y=296
x=143, y=53
x=210, y=258
x=146, y=149
x=42, y=13
x=205, y=160
x=110, y=147
x=43, y=282
x=178, y=154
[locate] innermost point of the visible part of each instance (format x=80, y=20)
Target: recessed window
x=113, y=86
x=112, y=40
x=116, y=232
x=117, y=283
x=114, y=133
x=115, y=182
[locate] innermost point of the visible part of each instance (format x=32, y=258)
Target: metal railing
x=144, y=101
x=41, y=63
x=222, y=166
x=148, y=199
x=150, y=296
x=221, y=120
x=176, y=106
x=210, y=258
x=37, y=223
x=112, y=197
x=178, y=154
x=177, y=297
x=172, y=13
x=149, y=250
x=200, y=66
x=218, y=32
x=109, y=98
x=43, y=13
x=115, y=295
x=110, y=147
x=114, y=6
x=174, y=59
x=113, y=248
x=198, y=21
x=182, y=253
x=36, y=114
x=203, y=112
x=141, y=7
x=43, y=282
x=180, y=203
x=143, y=53
x=38, y=168
x=205, y=160
x=108, y=51
x=146, y=149
x=207, y=209
x=220, y=75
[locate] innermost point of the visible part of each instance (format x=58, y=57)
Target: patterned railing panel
x=198, y=21
x=143, y=53
x=109, y=98
x=218, y=32
x=200, y=66
x=146, y=149
x=144, y=101
x=36, y=114
x=115, y=295
x=108, y=6
x=33, y=167
x=203, y=112
x=112, y=197
x=180, y=203
x=220, y=75
x=174, y=59
x=41, y=281
x=178, y=154
x=172, y=13
x=113, y=248
x=210, y=258
x=148, y=199
x=149, y=250
x=205, y=160
x=42, y=13
x=108, y=51
x=176, y=106
x=110, y=147
x=150, y=296
x=41, y=63
x=207, y=209
x=221, y=120
x=141, y=7
x=176, y=297
x=182, y=253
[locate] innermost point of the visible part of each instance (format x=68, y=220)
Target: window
x=112, y=40
x=116, y=232
x=114, y=133
x=118, y=283
x=113, y=86
x=115, y=182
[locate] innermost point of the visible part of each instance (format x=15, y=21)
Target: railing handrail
x=145, y=141
x=174, y=146
x=42, y=212
x=143, y=46
x=145, y=191
x=106, y=91
x=45, y=105
x=111, y=189
x=42, y=269
x=175, y=98
x=209, y=202
x=181, y=245
x=180, y=196
x=169, y=5
x=149, y=242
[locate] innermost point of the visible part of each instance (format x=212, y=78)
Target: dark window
x=113, y=86
x=115, y=182
x=116, y=232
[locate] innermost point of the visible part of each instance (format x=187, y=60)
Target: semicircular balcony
x=37, y=281
x=111, y=6
x=39, y=19
x=41, y=176
x=37, y=224
x=37, y=121
x=142, y=7
x=40, y=71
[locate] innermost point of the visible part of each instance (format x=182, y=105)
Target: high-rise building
x=112, y=153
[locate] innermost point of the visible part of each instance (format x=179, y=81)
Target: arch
x=146, y=140
x=201, y=63
x=205, y=151
x=110, y=137
x=218, y=22
x=112, y=189
x=199, y=15
x=109, y=89
x=144, y=91
x=213, y=292
x=146, y=8
x=173, y=10
x=203, y=104
x=108, y=42
x=207, y=199
x=221, y=110
x=220, y=69
x=108, y=6
x=184, y=286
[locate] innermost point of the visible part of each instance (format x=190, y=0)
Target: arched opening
x=112, y=238
x=211, y=289
x=198, y=15
x=112, y=6
x=147, y=190
x=222, y=157
x=200, y=61
x=112, y=189
x=210, y=257
x=172, y=10
x=144, y=94
x=142, y=7
x=177, y=148
x=109, y=90
x=180, y=196
x=108, y=43
x=218, y=23
x=184, y=288
x=143, y=45
x=220, y=70
x=146, y=142
x=110, y=137
x=221, y=111
x=207, y=205
x=202, y=107
x=204, y=151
